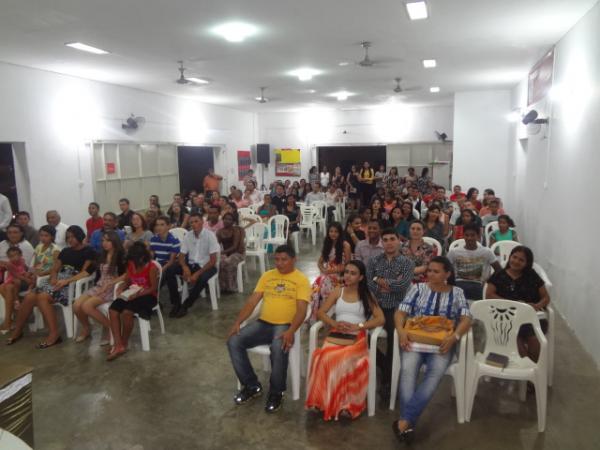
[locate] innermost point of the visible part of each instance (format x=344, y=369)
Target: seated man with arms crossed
x=285, y=292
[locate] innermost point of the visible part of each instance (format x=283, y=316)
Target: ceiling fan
x=187, y=80
x=399, y=89
x=368, y=62
x=262, y=98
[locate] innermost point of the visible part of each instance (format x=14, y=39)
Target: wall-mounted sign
x=540, y=79
x=111, y=168
x=287, y=162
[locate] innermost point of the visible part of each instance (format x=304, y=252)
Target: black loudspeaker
x=263, y=153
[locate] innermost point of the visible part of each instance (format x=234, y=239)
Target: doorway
x=194, y=163
x=8, y=182
x=346, y=156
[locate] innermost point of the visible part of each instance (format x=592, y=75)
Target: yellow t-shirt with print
x=280, y=293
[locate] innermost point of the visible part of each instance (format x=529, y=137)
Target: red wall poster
x=244, y=163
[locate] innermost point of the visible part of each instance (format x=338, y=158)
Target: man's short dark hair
x=287, y=249
x=471, y=227
x=390, y=231
x=374, y=220
x=14, y=249
x=23, y=213
x=165, y=219
x=111, y=214
x=494, y=201
x=95, y=204
x=489, y=192
x=196, y=214
x=124, y=200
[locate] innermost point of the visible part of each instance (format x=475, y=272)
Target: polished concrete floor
x=179, y=396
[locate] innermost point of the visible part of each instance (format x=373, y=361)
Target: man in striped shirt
x=163, y=244
x=389, y=276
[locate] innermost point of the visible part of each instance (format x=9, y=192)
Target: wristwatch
x=361, y=325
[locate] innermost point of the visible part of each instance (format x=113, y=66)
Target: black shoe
x=181, y=313
x=406, y=436
x=174, y=310
x=246, y=394
x=274, y=402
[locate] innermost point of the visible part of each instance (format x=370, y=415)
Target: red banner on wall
x=244, y=163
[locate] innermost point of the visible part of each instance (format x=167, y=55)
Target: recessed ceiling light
x=416, y=10
x=434, y=89
x=343, y=63
x=429, y=63
x=311, y=91
x=235, y=31
x=86, y=48
x=197, y=80
x=304, y=73
x=342, y=95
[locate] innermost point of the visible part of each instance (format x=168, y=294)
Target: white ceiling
x=479, y=44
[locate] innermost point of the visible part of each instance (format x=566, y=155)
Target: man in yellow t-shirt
x=285, y=294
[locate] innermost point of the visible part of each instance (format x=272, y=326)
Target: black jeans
x=385, y=361
x=171, y=276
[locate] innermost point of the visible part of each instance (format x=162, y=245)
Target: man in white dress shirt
x=5, y=215
x=53, y=219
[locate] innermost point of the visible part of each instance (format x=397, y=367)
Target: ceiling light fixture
x=342, y=95
x=305, y=73
x=429, y=63
x=416, y=10
x=343, y=63
x=198, y=80
x=86, y=48
x=235, y=31
x=434, y=89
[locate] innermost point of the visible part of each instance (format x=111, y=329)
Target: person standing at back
x=285, y=293
x=211, y=182
x=366, y=177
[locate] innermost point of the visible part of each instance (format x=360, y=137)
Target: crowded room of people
x=310, y=225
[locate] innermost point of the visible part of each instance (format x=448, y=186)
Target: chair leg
x=470, y=391
x=371, y=389
x=160, y=320
x=459, y=389
x=295, y=373
x=522, y=390
x=541, y=393
x=212, y=286
x=395, y=375
x=240, y=277
x=261, y=261
x=144, y=334
x=313, y=234
x=68, y=316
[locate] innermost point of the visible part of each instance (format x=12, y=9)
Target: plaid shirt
x=398, y=272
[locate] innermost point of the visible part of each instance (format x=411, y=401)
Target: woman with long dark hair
x=472, y=195
x=334, y=254
x=339, y=378
x=520, y=282
x=437, y=297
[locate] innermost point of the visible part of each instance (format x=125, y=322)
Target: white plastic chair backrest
x=543, y=275
x=460, y=243
x=489, y=229
x=416, y=214
x=502, y=320
x=321, y=208
x=278, y=226
x=308, y=215
x=244, y=211
x=434, y=243
x=160, y=272
x=300, y=204
x=255, y=235
x=504, y=248
x=179, y=233
x=253, y=207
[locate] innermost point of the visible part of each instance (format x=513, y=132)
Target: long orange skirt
x=339, y=377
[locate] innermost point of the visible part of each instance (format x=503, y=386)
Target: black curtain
x=346, y=156
x=8, y=185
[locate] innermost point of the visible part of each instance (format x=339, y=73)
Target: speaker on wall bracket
x=263, y=154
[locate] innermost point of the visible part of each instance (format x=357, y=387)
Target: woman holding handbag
x=339, y=369
x=437, y=298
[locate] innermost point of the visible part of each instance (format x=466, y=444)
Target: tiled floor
x=179, y=396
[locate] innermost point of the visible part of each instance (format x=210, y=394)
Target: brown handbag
x=430, y=329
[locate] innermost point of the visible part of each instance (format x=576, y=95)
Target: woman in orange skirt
x=339, y=370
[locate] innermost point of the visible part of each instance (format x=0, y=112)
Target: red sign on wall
x=110, y=168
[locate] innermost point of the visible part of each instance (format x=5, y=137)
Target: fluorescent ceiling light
x=416, y=10
x=343, y=63
x=342, y=95
x=86, y=48
x=198, y=80
x=434, y=89
x=429, y=63
x=235, y=31
x=304, y=73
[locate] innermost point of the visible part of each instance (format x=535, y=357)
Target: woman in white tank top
x=339, y=371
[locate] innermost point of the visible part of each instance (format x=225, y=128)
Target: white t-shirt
x=471, y=265
x=61, y=235
x=324, y=179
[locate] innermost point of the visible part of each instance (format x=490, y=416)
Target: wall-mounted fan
x=133, y=122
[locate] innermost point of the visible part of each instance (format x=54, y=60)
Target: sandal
x=11, y=341
x=115, y=354
x=43, y=345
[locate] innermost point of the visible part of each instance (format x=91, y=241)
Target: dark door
x=8, y=185
x=346, y=156
x=194, y=163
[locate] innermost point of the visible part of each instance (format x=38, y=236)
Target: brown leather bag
x=429, y=329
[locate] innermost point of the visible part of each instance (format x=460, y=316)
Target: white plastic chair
x=320, y=218
x=212, y=287
x=253, y=207
x=75, y=291
x=240, y=276
x=244, y=211
x=416, y=214
x=489, y=229
x=434, y=243
x=295, y=353
x=504, y=248
x=456, y=370
x=308, y=221
x=375, y=334
x=277, y=229
x=502, y=320
x=255, y=246
x=179, y=233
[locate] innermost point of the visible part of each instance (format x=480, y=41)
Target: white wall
x=481, y=139
x=393, y=123
x=554, y=181
x=55, y=115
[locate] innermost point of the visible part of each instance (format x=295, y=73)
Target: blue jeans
x=414, y=398
x=259, y=333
